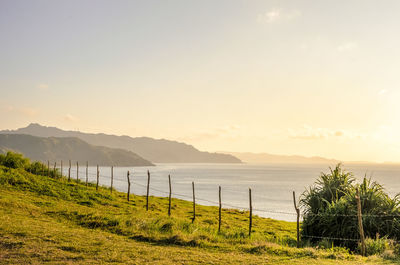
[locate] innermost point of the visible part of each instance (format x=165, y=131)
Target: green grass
x=46, y=220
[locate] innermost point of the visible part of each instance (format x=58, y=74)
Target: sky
x=313, y=78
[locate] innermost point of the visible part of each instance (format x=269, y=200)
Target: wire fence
x=184, y=196
x=84, y=175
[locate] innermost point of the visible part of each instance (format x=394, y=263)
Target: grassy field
x=45, y=220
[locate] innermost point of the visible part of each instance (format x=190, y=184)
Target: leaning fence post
x=112, y=178
x=87, y=173
x=250, y=213
x=360, y=224
x=298, y=219
x=194, y=203
x=170, y=193
x=69, y=171
x=220, y=209
x=97, y=182
x=129, y=185
x=147, y=194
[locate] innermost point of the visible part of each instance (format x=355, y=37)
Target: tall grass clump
x=330, y=209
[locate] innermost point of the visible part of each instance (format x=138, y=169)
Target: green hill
x=52, y=221
x=56, y=149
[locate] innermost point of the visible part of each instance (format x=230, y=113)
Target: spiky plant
x=330, y=209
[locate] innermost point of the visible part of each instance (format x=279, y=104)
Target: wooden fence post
x=54, y=169
x=69, y=171
x=129, y=185
x=48, y=168
x=77, y=171
x=61, y=168
x=194, y=203
x=250, y=213
x=220, y=209
x=147, y=194
x=42, y=169
x=112, y=178
x=360, y=224
x=298, y=218
x=170, y=194
x=87, y=172
x=97, y=182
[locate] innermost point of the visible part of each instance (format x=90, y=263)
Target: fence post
x=69, y=171
x=220, y=209
x=87, y=173
x=61, y=168
x=170, y=194
x=251, y=213
x=112, y=178
x=194, y=203
x=42, y=169
x=77, y=171
x=129, y=185
x=48, y=168
x=360, y=224
x=97, y=182
x=147, y=194
x=54, y=170
x=298, y=219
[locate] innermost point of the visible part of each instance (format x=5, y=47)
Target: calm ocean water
x=272, y=185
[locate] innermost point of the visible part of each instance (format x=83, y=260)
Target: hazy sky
x=286, y=77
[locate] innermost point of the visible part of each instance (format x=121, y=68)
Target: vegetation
x=330, y=210
x=14, y=160
x=50, y=220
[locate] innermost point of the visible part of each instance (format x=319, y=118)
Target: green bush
x=14, y=160
x=37, y=168
x=375, y=246
x=330, y=209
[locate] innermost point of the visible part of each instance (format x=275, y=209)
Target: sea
x=272, y=185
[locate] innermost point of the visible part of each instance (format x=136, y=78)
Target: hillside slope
x=56, y=149
x=154, y=150
x=51, y=221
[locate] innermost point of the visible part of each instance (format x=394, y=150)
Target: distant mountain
x=155, y=150
x=56, y=149
x=264, y=158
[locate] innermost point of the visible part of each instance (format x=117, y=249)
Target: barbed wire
x=331, y=238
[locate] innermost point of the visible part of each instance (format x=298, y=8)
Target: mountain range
x=266, y=158
x=154, y=150
x=68, y=148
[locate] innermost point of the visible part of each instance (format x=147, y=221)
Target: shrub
x=14, y=160
x=375, y=246
x=330, y=209
x=36, y=168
